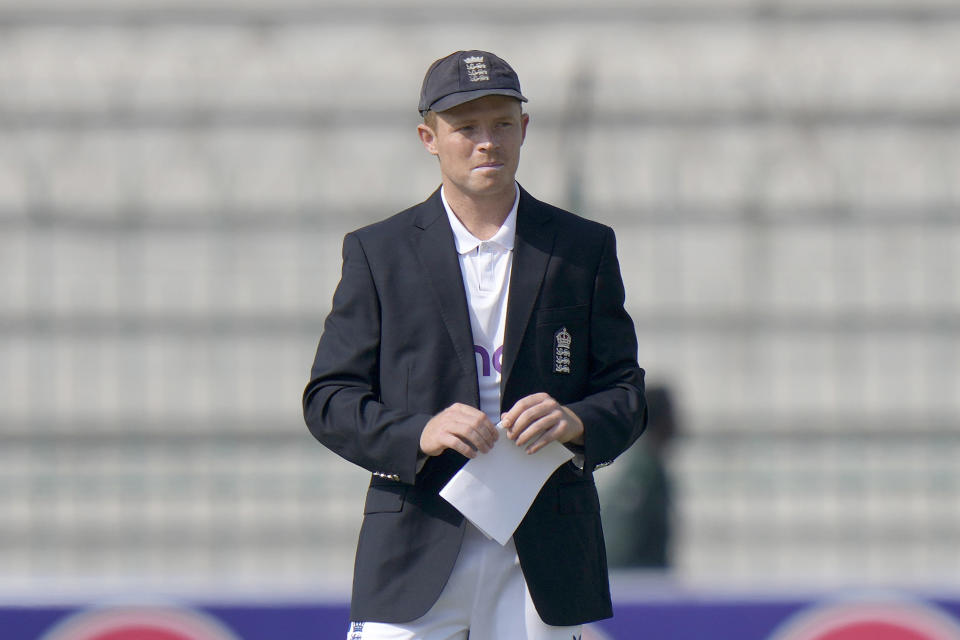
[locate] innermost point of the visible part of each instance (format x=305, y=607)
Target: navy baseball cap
x=464, y=76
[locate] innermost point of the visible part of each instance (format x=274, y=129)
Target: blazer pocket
x=578, y=314
x=385, y=498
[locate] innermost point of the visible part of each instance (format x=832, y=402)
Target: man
x=637, y=512
x=480, y=305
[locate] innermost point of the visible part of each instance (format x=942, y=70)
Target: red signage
x=139, y=623
x=870, y=620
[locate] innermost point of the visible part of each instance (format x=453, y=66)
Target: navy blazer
x=397, y=349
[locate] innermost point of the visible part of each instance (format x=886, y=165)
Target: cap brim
x=456, y=99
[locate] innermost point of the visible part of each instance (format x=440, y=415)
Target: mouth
x=490, y=165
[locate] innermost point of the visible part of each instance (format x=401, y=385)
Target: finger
x=476, y=439
x=476, y=431
x=471, y=420
x=521, y=420
x=460, y=445
x=519, y=407
x=482, y=428
x=529, y=417
x=465, y=413
x=530, y=426
x=539, y=427
x=549, y=436
x=474, y=414
x=488, y=434
x=460, y=427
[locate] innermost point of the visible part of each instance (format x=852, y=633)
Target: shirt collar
x=467, y=242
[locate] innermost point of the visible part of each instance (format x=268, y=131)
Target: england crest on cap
x=476, y=69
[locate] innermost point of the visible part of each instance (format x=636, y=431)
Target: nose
x=487, y=140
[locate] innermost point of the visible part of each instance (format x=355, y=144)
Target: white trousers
x=486, y=598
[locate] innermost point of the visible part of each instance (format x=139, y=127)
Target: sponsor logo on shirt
x=487, y=361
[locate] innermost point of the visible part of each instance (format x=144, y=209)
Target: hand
x=537, y=420
x=459, y=427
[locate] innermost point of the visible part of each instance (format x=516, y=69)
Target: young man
x=478, y=306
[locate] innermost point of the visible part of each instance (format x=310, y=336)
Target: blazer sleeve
x=341, y=403
x=614, y=411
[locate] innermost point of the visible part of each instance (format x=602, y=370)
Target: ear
x=428, y=138
x=524, y=121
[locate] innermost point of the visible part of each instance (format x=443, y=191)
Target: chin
x=493, y=190
x=493, y=181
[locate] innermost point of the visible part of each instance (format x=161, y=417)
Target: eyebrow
x=467, y=119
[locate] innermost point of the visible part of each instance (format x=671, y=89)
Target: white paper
x=495, y=489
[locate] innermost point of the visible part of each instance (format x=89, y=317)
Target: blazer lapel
x=531, y=253
x=434, y=247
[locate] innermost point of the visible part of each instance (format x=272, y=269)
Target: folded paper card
x=495, y=489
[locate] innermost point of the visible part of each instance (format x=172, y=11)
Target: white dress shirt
x=485, y=266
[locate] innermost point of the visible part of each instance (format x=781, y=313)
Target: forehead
x=485, y=107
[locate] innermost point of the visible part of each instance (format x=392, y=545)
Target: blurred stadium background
x=176, y=178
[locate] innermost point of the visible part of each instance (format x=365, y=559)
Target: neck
x=482, y=216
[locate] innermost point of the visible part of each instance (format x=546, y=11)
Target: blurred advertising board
x=689, y=615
